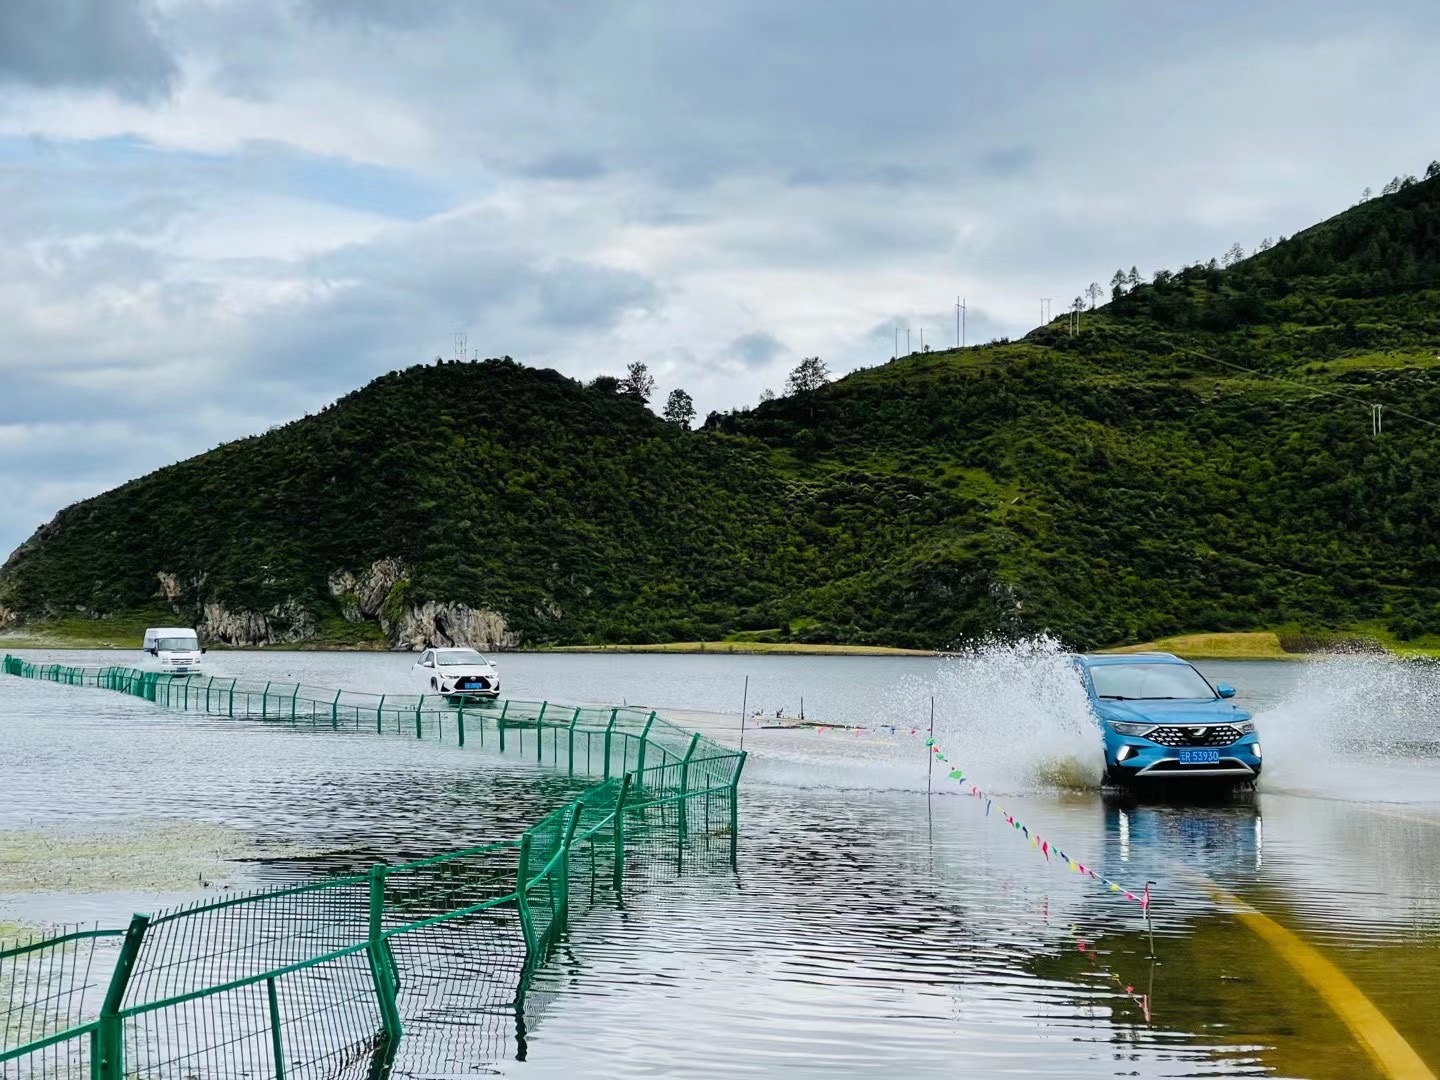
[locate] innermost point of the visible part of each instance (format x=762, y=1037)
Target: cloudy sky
x=218, y=215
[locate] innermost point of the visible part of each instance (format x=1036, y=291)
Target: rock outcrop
x=424, y=625
x=362, y=597
x=286, y=623
x=378, y=594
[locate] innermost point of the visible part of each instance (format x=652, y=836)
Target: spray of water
x=1016, y=714
x=1350, y=711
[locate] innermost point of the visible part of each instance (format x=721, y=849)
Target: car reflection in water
x=1227, y=839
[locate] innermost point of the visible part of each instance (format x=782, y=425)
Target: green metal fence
x=582, y=740
x=418, y=967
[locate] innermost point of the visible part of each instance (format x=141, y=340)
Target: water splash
x=1347, y=707
x=1016, y=713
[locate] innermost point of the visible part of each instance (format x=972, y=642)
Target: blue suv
x=1164, y=721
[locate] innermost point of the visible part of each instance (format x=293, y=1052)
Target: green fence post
x=684, y=790
x=379, y=709
x=735, y=810
x=265, y=703
x=231, y=707
x=207, y=692
x=609, y=728
x=500, y=723
x=275, y=1045
x=418, y=706
x=644, y=739
x=383, y=974
x=111, y=1041
x=460, y=722
x=522, y=901
x=619, y=833
x=335, y=710
x=573, y=719
x=569, y=838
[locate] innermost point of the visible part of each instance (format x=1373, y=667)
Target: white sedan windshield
x=1127, y=682
x=460, y=658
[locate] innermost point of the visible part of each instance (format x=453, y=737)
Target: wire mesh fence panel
x=460, y=991
x=51, y=990
x=319, y=1020
x=72, y=1056
x=215, y=943
x=415, y=969
x=52, y=983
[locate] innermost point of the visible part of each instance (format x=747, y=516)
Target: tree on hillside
x=1433, y=171
x=638, y=382
x=1234, y=254
x=1133, y=278
x=1392, y=187
x=1117, y=284
x=1366, y=195
x=604, y=384
x=1093, y=291
x=766, y=395
x=809, y=375
x=679, y=408
x=1266, y=244
x=1409, y=181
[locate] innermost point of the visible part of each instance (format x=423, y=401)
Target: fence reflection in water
x=415, y=967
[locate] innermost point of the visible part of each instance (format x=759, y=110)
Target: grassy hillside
x=1199, y=458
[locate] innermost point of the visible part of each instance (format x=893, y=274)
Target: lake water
x=871, y=929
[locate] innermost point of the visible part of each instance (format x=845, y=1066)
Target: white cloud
x=243, y=210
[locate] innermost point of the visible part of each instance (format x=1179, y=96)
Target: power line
x=1351, y=398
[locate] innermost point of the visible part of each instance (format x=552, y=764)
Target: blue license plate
x=1199, y=757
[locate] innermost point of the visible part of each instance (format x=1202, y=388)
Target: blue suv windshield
x=1139, y=681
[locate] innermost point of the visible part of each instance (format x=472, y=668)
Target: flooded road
x=871, y=928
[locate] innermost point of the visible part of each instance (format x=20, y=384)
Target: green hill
x=1199, y=457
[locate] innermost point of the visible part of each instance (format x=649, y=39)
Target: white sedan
x=459, y=674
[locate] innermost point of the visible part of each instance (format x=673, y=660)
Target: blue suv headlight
x=1247, y=728
x=1131, y=729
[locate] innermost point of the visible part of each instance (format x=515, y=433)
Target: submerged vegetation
x=1199, y=457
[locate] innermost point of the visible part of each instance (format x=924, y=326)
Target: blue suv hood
x=1219, y=711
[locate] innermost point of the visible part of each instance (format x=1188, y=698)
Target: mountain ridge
x=1197, y=458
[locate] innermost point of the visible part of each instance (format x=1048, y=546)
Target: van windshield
x=1127, y=682
x=459, y=658
x=176, y=644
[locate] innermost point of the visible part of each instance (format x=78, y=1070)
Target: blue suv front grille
x=1197, y=735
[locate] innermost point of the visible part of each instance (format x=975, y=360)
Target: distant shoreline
x=749, y=648
x=1249, y=645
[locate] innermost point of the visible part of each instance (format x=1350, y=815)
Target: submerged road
x=870, y=928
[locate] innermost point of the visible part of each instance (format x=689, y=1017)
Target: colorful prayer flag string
x=1037, y=841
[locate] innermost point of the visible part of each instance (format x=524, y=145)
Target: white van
x=176, y=650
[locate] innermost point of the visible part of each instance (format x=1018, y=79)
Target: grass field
x=1250, y=645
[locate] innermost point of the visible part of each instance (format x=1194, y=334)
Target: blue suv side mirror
x=1225, y=690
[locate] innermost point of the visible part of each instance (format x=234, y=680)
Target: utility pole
x=897, y=342
x=922, y=339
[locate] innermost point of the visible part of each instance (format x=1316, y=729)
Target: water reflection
x=869, y=928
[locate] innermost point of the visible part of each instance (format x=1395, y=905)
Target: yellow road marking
x=1386, y=1046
